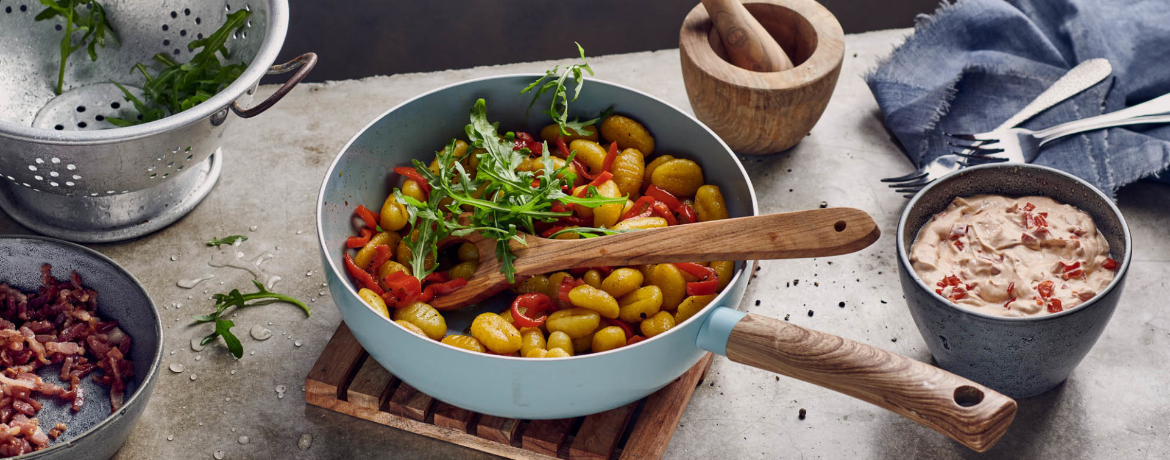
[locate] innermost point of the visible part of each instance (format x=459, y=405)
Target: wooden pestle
x=748, y=44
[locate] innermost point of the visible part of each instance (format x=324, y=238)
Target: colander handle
x=304, y=62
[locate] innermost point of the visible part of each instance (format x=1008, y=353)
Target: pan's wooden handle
x=968, y=412
x=748, y=44
x=789, y=235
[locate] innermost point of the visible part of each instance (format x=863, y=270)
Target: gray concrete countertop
x=1115, y=405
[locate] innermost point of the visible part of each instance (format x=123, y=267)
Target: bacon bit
x=949, y=281
x=1109, y=264
x=1054, y=306
x=958, y=231
x=1045, y=288
x=1040, y=220
x=1011, y=287
x=1070, y=271
x=1029, y=206
x=1009, y=302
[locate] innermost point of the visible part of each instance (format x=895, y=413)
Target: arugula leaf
x=228, y=240
x=558, y=109
x=178, y=87
x=92, y=22
x=236, y=299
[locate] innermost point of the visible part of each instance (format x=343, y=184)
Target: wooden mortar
x=759, y=113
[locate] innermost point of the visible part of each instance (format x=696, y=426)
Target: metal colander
x=66, y=171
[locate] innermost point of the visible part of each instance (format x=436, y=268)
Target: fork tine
x=909, y=177
x=976, y=145
x=979, y=154
x=982, y=161
x=911, y=191
x=972, y=137
x=921, y=182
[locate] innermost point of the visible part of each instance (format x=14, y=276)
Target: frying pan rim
x=332, y=264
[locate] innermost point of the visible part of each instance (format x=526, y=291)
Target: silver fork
x=1080, y=78
x=1019, y=145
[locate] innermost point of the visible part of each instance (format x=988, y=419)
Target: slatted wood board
x=346, y=380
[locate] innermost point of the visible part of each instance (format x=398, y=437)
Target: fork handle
x=1094, y=123
x=1157, y=106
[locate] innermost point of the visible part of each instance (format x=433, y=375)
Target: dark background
x=360, y=38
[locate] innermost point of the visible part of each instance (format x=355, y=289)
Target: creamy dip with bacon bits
x=1013, y=256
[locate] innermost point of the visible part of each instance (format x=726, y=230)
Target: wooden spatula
x=748, y=44
x=790, y=235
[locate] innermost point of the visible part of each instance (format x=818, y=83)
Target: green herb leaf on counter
x=223, y=327
x=178, y=87
x=92, y=22
x=228, y=240
x=558, y=109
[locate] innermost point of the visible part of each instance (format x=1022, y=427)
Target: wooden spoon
x=748, y=44
x=790, y=235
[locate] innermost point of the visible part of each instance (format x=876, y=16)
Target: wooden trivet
x=346, y=380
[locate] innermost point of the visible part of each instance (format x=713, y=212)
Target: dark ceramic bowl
x=94, y=433
x=1018, y=357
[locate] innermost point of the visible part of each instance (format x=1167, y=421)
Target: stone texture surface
x=1115, y=405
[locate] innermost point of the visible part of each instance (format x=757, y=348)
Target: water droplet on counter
x=174, y=258
x=281, y=388
x=172, y=352
x=300, y=232
x=314, y=299
x=324, y=284
x=322, y=293
x=309, y=273
x=253, y=228
x=193, y=377
x=229, y=400
x=231, y=257
x=260, y=332
x=192, y=282
x=253, y=352
x=243, y=440
x=233, y=372
x=171, y=438
x=218, y=455
x=196, y=345
x=270, y=323
x=176, y=367
x=198, y=357
x=297, y=343
x=305, y=442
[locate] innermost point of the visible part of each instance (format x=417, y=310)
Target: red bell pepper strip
x=562, y=147
x=601, y=178
x=584, y=170
x=449, y=286
x=619, y=323
x=382, y=253
x=687, y=214
x=567, y=284
x=412, y=174
x=635, y=339
x=355, y=242
x=664, y=196
x=532, y=304
x=662, y=211
x=436, y=277
x=708, y=287
x=368, y=216
x=1109, y=264
x=641, y=208
x=610, y=157
x=402, y=288
x=363, y=278
x=548, y=233
x=696, y=270
x=427, y=294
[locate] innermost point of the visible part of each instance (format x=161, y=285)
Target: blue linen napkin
x=975, y=63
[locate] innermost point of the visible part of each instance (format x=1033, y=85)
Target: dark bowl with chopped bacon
x=80, y=348
x=1018, y=356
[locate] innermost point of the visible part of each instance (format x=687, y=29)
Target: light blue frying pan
x=581, y=385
